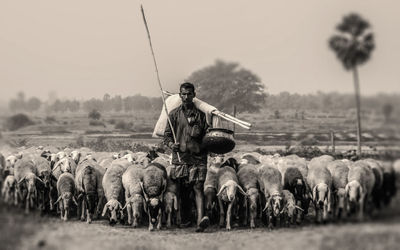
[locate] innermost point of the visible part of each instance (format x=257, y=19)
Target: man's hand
x=174, y=146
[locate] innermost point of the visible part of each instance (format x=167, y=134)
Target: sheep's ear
x=104, y=210
x=221, y=189
x=267, y=204
x=74, y=200
x=58, y=200
x=299, y=208
x=241, y=190
x=37, y=178
x=20, y=181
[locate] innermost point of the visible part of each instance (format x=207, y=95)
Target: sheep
x=377, y=191
x=294, y=181
x=76, y=156
x=389, y=182
x=66, y=192
x=134, y=200
x=319, y=180
x=290, y=207
x=154, y=186
x=9, y=190
x=10, y=163
x=113, y=190
x=228, y=184
x=43, y=171
x=361, y=181
x=211, y=188
x=171, y=199
x=339, y=172
x=270, y=180
x=64, y=165
x=320, y=160
x=25, y=175
x=248, y=179
x=87, y=185
x=2, y=167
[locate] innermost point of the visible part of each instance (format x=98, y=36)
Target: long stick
x=158, y=78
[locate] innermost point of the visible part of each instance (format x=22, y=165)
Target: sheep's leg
x=61, y=207
x=88, y=215
x=270, y=221
x=27, y=202
x=159, y=219
x=65, y=215
x=221, y=212
x=169, y=219
x=129, y=212
x=83, y=209
x=361, y=210
x=15, y=197
x=245, y=213
x=99, y=207
x=151, y=227
x=229, y=216
x=198, y=192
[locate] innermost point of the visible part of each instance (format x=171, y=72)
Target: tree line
x=319, y=101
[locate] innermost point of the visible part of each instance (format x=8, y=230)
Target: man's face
x=187, y=95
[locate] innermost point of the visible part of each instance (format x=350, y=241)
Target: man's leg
x=202, y=221
x=185, y=203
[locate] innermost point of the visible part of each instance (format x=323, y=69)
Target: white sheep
x=134, y=201
x=361, y=181
x=319, y=180
x=339, y=172
x=113, y=190
x=270, y=180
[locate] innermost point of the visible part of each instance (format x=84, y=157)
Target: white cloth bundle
x=172, y=103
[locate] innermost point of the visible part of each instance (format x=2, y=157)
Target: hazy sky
x=85, y=48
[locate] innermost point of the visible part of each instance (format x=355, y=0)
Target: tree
x=94, y=115
x=387, y=111
x=33, y=104
x=225, y=83
x=353, y=46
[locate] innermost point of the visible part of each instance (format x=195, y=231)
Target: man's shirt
x=189, y=126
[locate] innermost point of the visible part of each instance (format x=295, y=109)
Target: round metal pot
x=219, y=140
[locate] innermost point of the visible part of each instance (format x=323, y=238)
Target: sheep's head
x=67, y=198
x=76, y=156
x=299, y=188
x=45, y=177
x=115, y=208
x=64, y=165
x=320, y=194
x=275, y=203
x=353, y=192
x=341, y=198
x=11, y=160
x=46, y=154
x=153, y=205
x=228, y=191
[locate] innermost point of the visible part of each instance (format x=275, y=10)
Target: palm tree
x=353, y=46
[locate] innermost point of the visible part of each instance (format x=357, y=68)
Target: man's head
x=187, y=93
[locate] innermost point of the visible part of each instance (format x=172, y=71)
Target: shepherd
x=189, y=157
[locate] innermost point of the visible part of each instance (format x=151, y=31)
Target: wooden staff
x=158, y=78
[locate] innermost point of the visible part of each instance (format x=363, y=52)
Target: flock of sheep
x=129, y=187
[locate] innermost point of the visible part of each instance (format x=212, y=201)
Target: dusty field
x=19, y=231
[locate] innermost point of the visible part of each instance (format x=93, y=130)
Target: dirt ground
x=19, y=231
